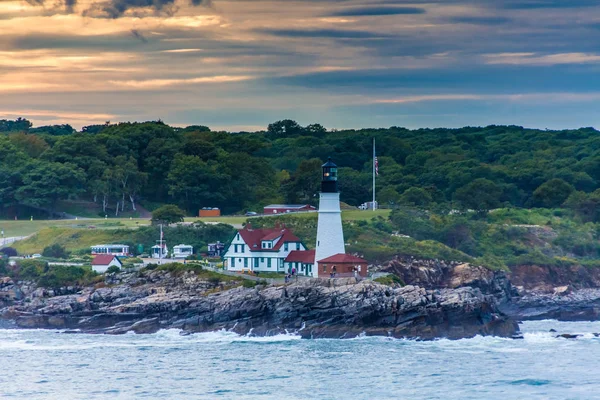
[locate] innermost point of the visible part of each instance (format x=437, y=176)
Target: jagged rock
x=562, y=290
x=314, y=308
x=9, y=291
x=432, y=274
x=535, y=278
x=568, y=336
x=579, y=305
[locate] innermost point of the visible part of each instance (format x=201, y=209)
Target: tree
x=388, y=195
x=586, y=206
x=129, y=179
x=32, y=145
x=167, y=214
x=305, y=181
x=20, y=124
x=54, y=130
x=416, y=196
x=315, y=130
x=195, y=183
x=284, y=128
x=552, y=193
x=480, y=195
x=44, y=183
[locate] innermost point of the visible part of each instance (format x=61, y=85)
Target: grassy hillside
x=79, y=240
x=71, y=238
x=25, y=228
x=497, y=240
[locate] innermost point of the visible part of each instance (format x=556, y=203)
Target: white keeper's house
x=262, y=250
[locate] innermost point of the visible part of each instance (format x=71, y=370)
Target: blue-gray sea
x=40, y=364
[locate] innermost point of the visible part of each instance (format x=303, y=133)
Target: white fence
x=10, y=240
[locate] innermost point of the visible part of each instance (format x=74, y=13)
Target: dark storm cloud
x=324, y=33
x=116, y=8
x=376, y=11
x=479, y=20
x=475, y=79
x=539, y=4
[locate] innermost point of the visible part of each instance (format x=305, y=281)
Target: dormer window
x=267, y=244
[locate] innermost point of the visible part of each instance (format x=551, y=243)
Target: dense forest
x=118, y=166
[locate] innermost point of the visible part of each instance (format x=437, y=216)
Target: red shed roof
x=303, y=256
x=104, y=259
x=254, y=237
x=343, y=259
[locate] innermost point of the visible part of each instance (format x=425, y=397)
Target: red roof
x=104, y=259
x=343, y=259
x=254, y=237
x=272, y=236
x=303, y=256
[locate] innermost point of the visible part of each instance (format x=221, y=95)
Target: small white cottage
x=159, y=251
x=102, y=262
x=182, y=251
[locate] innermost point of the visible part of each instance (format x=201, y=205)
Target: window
x=262, y=259
x=238, y=236
x=235, y=248
x=324, y=268
x=270, y=245
x=297, y=246
x=268, y=263
x=285, y=247
x=243, y=248
x=245, y=263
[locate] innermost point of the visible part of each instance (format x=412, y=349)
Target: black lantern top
x=329, y=178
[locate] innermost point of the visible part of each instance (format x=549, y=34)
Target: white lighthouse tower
x=330, y=235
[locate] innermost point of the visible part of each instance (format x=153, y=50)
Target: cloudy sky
x=240, y=64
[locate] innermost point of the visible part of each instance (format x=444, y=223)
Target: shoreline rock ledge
x=317, y=308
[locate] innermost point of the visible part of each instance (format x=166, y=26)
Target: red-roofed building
x=288, y=208
x=261, y=250
x=102, y=262
x=342, y=265
x=300, y=262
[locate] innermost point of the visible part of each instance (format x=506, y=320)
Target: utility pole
x=374, y=173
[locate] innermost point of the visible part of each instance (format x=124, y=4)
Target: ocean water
x=39, y=364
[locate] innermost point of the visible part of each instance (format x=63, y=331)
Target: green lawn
x=26, y=227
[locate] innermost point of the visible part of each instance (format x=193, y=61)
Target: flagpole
x=374, y=206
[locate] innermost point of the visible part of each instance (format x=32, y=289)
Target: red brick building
x=342, y=266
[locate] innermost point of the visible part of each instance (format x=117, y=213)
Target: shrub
x=214, y=281
x=249, y=284
x=60, y=276
x=31, y=270
x=9, y=252
x=113, y=269
x=390, y=280
x=179, y=268
x=55, y=251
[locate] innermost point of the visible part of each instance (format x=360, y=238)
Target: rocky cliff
x=526, y=292
x=332, y=308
